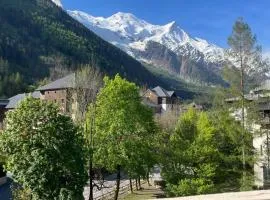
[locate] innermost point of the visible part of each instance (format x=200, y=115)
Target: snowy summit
x=131, y=33
x=58, y=3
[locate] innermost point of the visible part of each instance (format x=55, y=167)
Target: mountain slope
x=136, y=36
x=38, y=38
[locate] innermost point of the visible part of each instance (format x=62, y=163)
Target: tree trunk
x=91, y=172
x=118, y=177
x=136, y=184
x=139, y=180
x=130, y=184
x=148, y=181
x=91, y=175
x=268, y=151
x=243, y=121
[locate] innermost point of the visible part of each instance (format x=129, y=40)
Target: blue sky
x=208, y=19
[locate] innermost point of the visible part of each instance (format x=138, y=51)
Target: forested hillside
x=38, y=38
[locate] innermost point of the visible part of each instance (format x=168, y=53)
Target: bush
x=44, y=150
x=188, y=187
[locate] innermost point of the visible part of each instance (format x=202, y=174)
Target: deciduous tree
x=123, y=127
x=44, y=151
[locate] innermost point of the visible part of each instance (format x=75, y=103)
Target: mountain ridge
x=38, y=37
x=133, y=35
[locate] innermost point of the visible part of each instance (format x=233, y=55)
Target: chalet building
x=58, y=92
x=160, y=100
x=14, y=101
x=261, y=142
x=63, y=92
x=66, y=92
x=261, y=130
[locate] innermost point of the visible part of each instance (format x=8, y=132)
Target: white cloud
x=58, y=3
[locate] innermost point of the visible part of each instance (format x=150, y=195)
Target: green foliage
x=21, y=194
x=2, y=162
x=44, y=151
x=187, y=187
x=191, y=162
x=203, y=154
x=249, y=66
x=228, y=138
x=10, y=81
x=123, y=124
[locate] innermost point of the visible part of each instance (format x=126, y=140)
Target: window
x=159, y=100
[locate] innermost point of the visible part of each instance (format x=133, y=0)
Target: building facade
x=160, y=100
x=261, y=141
x=260, y=130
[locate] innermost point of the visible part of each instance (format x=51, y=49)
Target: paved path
x=252, y=195
x=147, y=192
x=110, y=185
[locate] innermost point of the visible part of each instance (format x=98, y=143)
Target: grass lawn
x=145, y=193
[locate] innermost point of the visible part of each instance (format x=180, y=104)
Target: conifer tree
x=246, y=66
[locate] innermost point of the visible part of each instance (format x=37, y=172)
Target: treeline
x=11, y=82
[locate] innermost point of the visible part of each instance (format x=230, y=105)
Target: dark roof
x=161, y=92
x=62, y=83
x=15, y=100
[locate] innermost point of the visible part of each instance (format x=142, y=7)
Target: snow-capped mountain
x=167, y=45
x=58, y=3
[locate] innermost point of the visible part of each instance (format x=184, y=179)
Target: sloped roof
x=161, y=92
x=15, y=100
x=62, y=83
x=170, y=92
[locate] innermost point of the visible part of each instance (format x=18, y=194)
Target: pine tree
x=246, y=63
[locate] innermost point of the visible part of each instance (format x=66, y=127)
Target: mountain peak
x=173, y=23
x=121, y=16
x=131, y=34
x=58, y=3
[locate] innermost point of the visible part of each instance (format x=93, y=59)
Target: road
x=251, y=195
x=110, y=185
x=5, y=190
